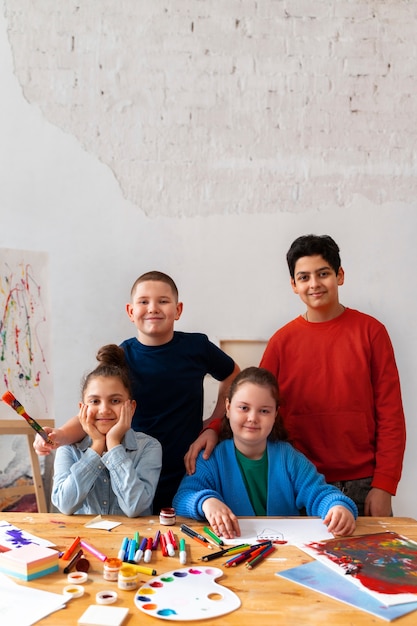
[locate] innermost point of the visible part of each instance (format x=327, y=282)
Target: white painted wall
x=220, y=229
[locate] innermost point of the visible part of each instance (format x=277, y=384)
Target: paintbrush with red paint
x=9, y=399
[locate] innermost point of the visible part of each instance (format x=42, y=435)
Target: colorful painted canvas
x=382, y=563
x=320, y=578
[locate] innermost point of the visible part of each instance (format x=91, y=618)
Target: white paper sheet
x=294, y=531
x=13, y=537
x=101, y=524
x=24, y=606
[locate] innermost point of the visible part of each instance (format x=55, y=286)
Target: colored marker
x=140, y=551
x=71, y=564
x=196, y=536
x=148, y=552
x=162, y=543
x=71, y=549
x=155, y=542
x=183, y=552
x=169, y=546
x=211, y=534
x=133, y=546
x=141, y=569
x=93, y=550
x=172, y=539
x=122, y=552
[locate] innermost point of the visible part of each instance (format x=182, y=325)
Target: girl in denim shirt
x=113, y=470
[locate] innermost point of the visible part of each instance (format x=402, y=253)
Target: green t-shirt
x=255, y=477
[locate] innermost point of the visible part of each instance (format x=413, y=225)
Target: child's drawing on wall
x=25, y=363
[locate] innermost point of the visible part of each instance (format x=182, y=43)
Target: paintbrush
x=9, y=399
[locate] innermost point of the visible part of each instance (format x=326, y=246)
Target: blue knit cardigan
x=293, y=484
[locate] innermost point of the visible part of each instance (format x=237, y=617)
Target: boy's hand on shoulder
x=378, y=503
x=340, y=521
x=222, y=519
x=207, y=441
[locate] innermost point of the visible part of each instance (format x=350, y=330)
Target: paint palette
x=190, y=593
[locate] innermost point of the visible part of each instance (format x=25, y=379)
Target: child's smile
x=251, y=413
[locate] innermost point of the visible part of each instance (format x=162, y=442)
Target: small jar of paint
x=167, y=517
x=127, y=578
x=111, y=569
x=83, y=564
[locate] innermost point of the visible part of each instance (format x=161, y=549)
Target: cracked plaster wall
x=203, y=107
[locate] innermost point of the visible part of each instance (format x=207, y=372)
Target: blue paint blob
x=143, y=599
x=180, y=574
x=165, y=612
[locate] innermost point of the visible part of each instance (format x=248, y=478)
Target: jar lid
x=113, y=563
x=73, y=591
x=106, y=597
x=168, y=511
x=127, y=571
x=77, y=577
x=83, y=564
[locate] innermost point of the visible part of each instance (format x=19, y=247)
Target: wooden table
x=266, y=599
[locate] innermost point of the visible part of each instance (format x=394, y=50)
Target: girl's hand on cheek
x=87, y=420
x=118, y=431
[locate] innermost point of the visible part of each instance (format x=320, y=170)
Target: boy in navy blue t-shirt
x=167, y=370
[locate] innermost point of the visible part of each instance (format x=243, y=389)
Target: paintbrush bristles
x=9, y=399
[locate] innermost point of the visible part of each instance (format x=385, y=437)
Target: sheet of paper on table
x=13, y=537
x=295, y=531
x=24, y=606
x=101, y=524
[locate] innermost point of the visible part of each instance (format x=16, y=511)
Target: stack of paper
x=29, y=562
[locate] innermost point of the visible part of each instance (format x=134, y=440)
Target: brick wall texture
x=203, y=107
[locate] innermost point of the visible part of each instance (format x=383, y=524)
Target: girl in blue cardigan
x=255, y=471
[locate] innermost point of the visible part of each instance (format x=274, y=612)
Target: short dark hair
x=264, y=378
x=157, y=276
x=311, y=245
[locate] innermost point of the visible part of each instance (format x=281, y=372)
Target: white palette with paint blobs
x=189, y=593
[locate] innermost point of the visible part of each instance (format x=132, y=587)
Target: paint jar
x=167, y=517
x=127, y=578
x=111, y=569
x=83, y=564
